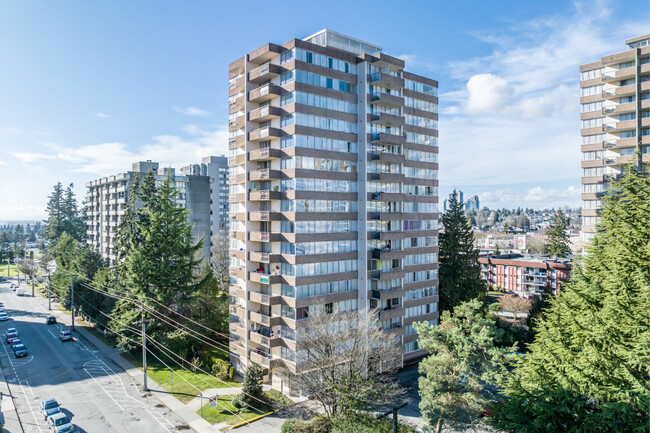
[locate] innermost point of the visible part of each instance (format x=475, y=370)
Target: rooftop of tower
x=329, y=38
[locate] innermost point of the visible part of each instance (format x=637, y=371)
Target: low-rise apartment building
x=524, y=275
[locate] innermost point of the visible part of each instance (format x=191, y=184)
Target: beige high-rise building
x=615, y=116
x=333, y=194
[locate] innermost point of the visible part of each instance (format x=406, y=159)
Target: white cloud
x=512, y=117
x=536, y=197
x=30, y=157
x=102, y=115
x=3, y=163
x=191, y=111
x=487, y=93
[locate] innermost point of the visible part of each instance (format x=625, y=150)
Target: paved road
x=95, y=393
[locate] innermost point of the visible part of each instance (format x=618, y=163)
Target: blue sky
x=87, y=88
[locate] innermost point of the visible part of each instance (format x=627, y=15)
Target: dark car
x=51, y=320
x=15, y=343
x=20, y=351
x=10, y=335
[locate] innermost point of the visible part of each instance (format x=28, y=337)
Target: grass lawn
x=223, y=412
x=183, y=390
x=8, y=274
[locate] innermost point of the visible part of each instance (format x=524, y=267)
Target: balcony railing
x=609, y=144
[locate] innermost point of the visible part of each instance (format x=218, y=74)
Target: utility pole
x=49, y=296
x=33, y=276
x=144, y=346
x=72, y=301
x=394, y=412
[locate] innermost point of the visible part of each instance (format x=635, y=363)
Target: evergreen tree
x=588, y=369
x=460, y=272
x=464, y=360
x=54, y=222
x=538, y=307
x=557, y=238
x=159, y=259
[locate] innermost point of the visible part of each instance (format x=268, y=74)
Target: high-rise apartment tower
x=615, y=115
x=107, y=198
x=333, y=193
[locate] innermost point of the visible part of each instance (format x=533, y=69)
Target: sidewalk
x=9, y=416
x=185, y=413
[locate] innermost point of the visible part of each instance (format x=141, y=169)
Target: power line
x=166, y=349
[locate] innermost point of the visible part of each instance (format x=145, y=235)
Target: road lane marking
x=29, y=403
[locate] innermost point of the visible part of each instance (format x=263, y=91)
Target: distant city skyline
x=83, y=100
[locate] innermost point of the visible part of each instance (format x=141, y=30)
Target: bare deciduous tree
x=514, y=304
x=220, y=258
x=346, y=361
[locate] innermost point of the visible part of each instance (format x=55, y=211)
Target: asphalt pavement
x=95, y=393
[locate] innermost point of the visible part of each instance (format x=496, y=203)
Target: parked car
x=11, y=334
x=13, y=286
x=51, y=320
x=20, y=291
x=15, y=342
x=49, y=407
x=59, y=423
x=4, y=316
x=20, y=350
x=65, y=335
x=2, y=305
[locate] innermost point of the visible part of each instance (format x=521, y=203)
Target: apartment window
x=590, y=75
x=428, y=140
x=592, y=155
x=286, y=57
x=591, y=90
x=420, y=104
x=420, y=87
x=592, y=171
x=286, y=120
x=325, y=61
x=318, y=143
x=324, y=123
x=592, y=123
x=593, y=139
x=411, y=347
x=592, y=106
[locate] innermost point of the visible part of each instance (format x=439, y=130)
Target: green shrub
x=231, y=373
x=221, y=368
x=237, y=402
x=320, y=424
x=293, y=425
x=365, y=423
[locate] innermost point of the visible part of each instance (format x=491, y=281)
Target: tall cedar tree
x=64, y=215
x=588, y=369
x=159, y=259
x=464, y=359
x=557, y=238
x=460, y=272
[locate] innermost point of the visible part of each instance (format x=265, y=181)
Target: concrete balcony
x=264, y=195
x=386, y=100
x=261, y=278
x=264, y=154
x=391, y=313
x=265, y=53
x=395, y=158
x=236, y=105
x=264, y=72
x=385, y=138
x=386, y=80
x=263, y=319
x=265, y=113
x=258, y=358
x=264, y=93
x=260, y=256
x=263, y=134
x=386, y=119
x=264, y=174
x=263, y=236
x=236, y=123
x=238, y=141
x=262, y=298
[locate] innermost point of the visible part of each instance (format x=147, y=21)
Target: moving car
x=65, y=335
x=20, y=350
x=3, y=316
x=11, y=334
x=50, y=320
x=49, y=407
x=59, y=423
x=20, y=291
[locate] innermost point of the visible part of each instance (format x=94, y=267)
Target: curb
x=252, y=419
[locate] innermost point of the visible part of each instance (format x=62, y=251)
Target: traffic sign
x=213, y=401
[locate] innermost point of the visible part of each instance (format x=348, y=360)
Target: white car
x=20, y=291
x=59, y=423
x=4, y=316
